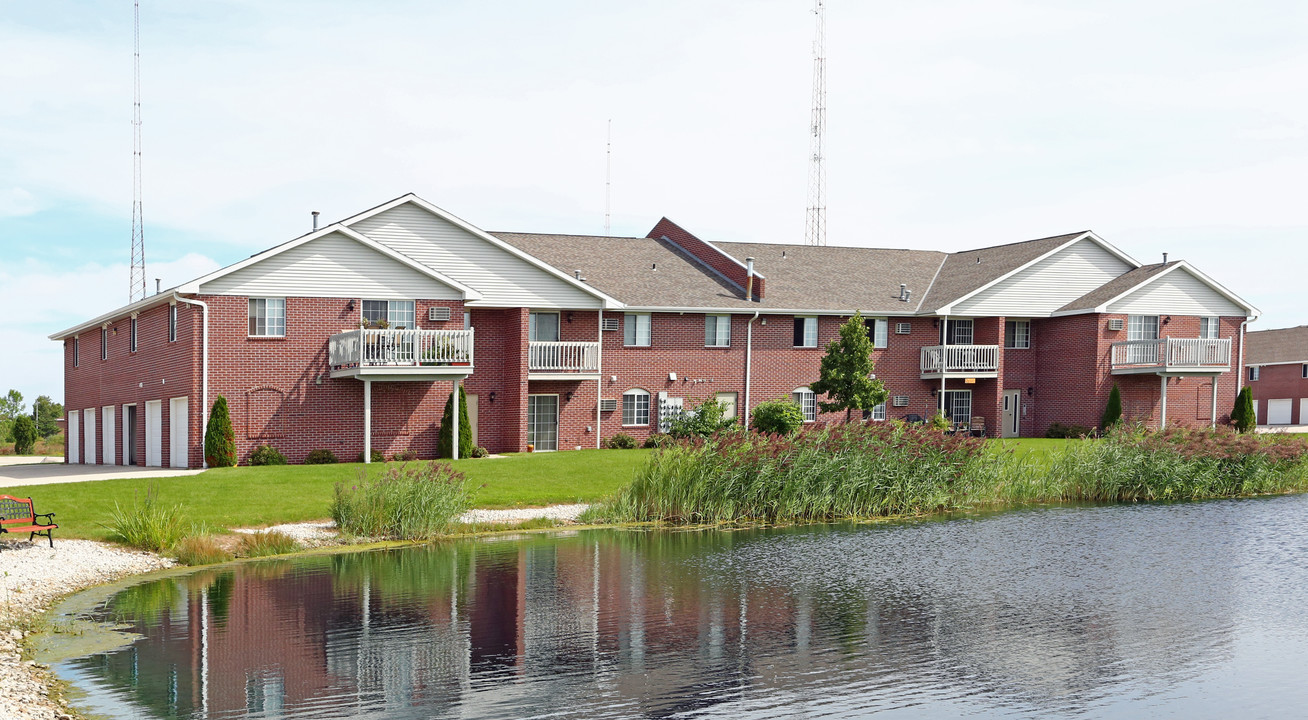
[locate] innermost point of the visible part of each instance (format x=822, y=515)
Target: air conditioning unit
x=612, y=324
x=438, y=314
x=1114, y=323
x=903, y=328
x=608, y=405
x=901, y=401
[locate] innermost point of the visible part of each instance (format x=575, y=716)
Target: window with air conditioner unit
x=608, y=405
x=611, y=325
x=900, y=401
x=438, y=314
x=903, y=328
x=1114, y=324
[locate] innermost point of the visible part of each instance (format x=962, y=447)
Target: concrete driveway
x=20, y=471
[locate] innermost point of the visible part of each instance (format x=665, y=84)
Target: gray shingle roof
x=967, y=271
x=1115, y=287
x=1286, y=345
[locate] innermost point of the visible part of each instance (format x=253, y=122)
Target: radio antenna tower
x=608, y=175
x=815, y=226
x=137, y=286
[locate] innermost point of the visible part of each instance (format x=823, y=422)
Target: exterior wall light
x=492, y=396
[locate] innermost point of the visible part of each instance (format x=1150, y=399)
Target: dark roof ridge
x=577, y=235
x=1022, y=242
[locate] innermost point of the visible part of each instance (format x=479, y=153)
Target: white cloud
x=16, y=202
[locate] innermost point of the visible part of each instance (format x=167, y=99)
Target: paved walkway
x=1282, y=429
x=36, y=472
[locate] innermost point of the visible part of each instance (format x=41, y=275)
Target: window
x=717, y=331
x=467, y=320
x=878, y=331
x=635, y=407
x=807, y=402
x=543, y=327
x=77, y=352
x=1017, y=334
x=956, y=332
x=1304, y=370
x=1208, y=328
x=267, y=317
x=877, y=413
x=104, y=343
x=806, y=332
x=172, y=323
x=1142, y=327
x=958, y=406
x=131, y=342
x=1253, y=373
x=399, y=314
x=635, y=330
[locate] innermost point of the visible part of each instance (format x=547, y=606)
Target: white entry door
x=154, y=433
x=472, y=416
x=88, y=434
x=107, y=439
x=1278, y=411
x=1012, y=414
x=179, y=441
x=74, y=436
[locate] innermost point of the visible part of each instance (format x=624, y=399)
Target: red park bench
x=17, y=516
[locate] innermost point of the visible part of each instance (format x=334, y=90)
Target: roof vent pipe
x=1164, y=258
x=903, y=292
x=577, y=274
x=315, y=220
x=157, y=282
x=749, y=279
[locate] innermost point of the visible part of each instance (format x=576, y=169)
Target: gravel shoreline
x=33, y=576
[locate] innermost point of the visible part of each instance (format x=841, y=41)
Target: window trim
x=802, y=332
x=265, y=300
x=531, y=324
x=1253, y=373
x=950, y=326
x=804, y=395
x=1213, y=326
x=1140, y=327
x=872, y=414
x=880, y=328
x=635, y=393
x=132, y=336
x=635, y=333
x=172, y=322
x=717, y=330
x=390, y=311
x=1015, y=346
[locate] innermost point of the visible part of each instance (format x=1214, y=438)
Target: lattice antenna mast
x=815, y=226
x=137, y=286
x=608, y=175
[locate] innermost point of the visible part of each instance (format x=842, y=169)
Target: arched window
x=807, y=402
x=635, y=407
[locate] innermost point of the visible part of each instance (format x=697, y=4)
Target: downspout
x=749, y=358
x=599, y=384
x=204, y=370
x=1239, y=376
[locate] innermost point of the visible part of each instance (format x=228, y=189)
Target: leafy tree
x=219, y=438
x=781, y=417
x=24, y=435
x=11, y=407
x=445, y=440
x=47, y=412
x=701, y=421
x=1113, y=412
x=845, y=374
x=1243, y=416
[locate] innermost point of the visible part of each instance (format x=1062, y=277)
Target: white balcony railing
x=399, y=348
x=1172, y=354
x=960, y=359
x=579, y=357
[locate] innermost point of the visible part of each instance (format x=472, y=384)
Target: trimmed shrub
x=776, y=417
x=1243, y=417
x=376, y=456
x=404, y=456
x=480, y=452
x=321, y=456
x=25, y=435
x=444, y=444
x=1059, y=430
x=200, y=550
x=1113, y=412
x=700, y=420
x=413, y=501
x=267, y=455
x=659, y=440
x=219, y=438
x=621, y=441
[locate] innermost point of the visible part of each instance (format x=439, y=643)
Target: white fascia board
x=1087, y=235
x=609, y=301
x=158, y=298
x=1251, y=311
x=765, y=311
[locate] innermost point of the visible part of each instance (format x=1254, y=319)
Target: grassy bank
x=254, y=496
x=861, y=471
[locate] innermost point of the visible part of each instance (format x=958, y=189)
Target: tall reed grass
x=859, y=471
x=148, y=524
x=412, y=501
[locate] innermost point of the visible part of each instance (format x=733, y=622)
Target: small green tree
x=1243, y=416
x=1113, y=412
x=24, y=435
x=845, y=374
x=445, y=440
x=782, y=417
x=701, y=420
x=47, y=412
x=219, y=438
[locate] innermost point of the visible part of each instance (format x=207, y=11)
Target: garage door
x=1278, y=411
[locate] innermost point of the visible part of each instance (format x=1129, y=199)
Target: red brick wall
x=501, y=368
x=1277, y=382
x=708, y=254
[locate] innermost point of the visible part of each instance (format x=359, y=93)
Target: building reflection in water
x=660, y=624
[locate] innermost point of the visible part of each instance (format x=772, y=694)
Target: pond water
x=1181, y=610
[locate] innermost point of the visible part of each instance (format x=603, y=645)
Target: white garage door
x=1278, y=411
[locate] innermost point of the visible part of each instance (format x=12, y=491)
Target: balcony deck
x=416, y=355
x=960, y=361
x=1172, y=356
x=563, y=360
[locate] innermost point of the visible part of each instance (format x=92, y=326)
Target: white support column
x=1162, y=421
x=454, y=430
x=599, y=384
x=1214, y=425
x=944, y=364
x=367, y=421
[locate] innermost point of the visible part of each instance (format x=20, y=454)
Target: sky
x=1163, y=125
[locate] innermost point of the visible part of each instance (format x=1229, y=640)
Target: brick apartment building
x=1276, y=367
x=562, y=341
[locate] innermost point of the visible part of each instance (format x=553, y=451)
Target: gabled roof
x=969, y=272
x=1283, y=346
x=1099, y=299
x=145, y=303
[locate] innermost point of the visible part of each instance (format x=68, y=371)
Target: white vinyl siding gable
x=331, y=266
x=1177, y=293
x=1049, y=284
x=503, y=279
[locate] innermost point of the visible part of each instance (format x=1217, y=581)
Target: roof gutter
x=204, y=369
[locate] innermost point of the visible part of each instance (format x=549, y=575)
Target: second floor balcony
x=394, y=354
x=960, y=361
x=562, y=360
x=1172, y=355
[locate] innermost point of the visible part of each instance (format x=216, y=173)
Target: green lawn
x=252, y=496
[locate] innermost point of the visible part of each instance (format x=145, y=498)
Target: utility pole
x=136, y=290
x=815, y=226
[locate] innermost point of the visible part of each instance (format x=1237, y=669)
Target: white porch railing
x=960, y=359
x=1172, y=353
x=379, y=348
x=563, y=356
